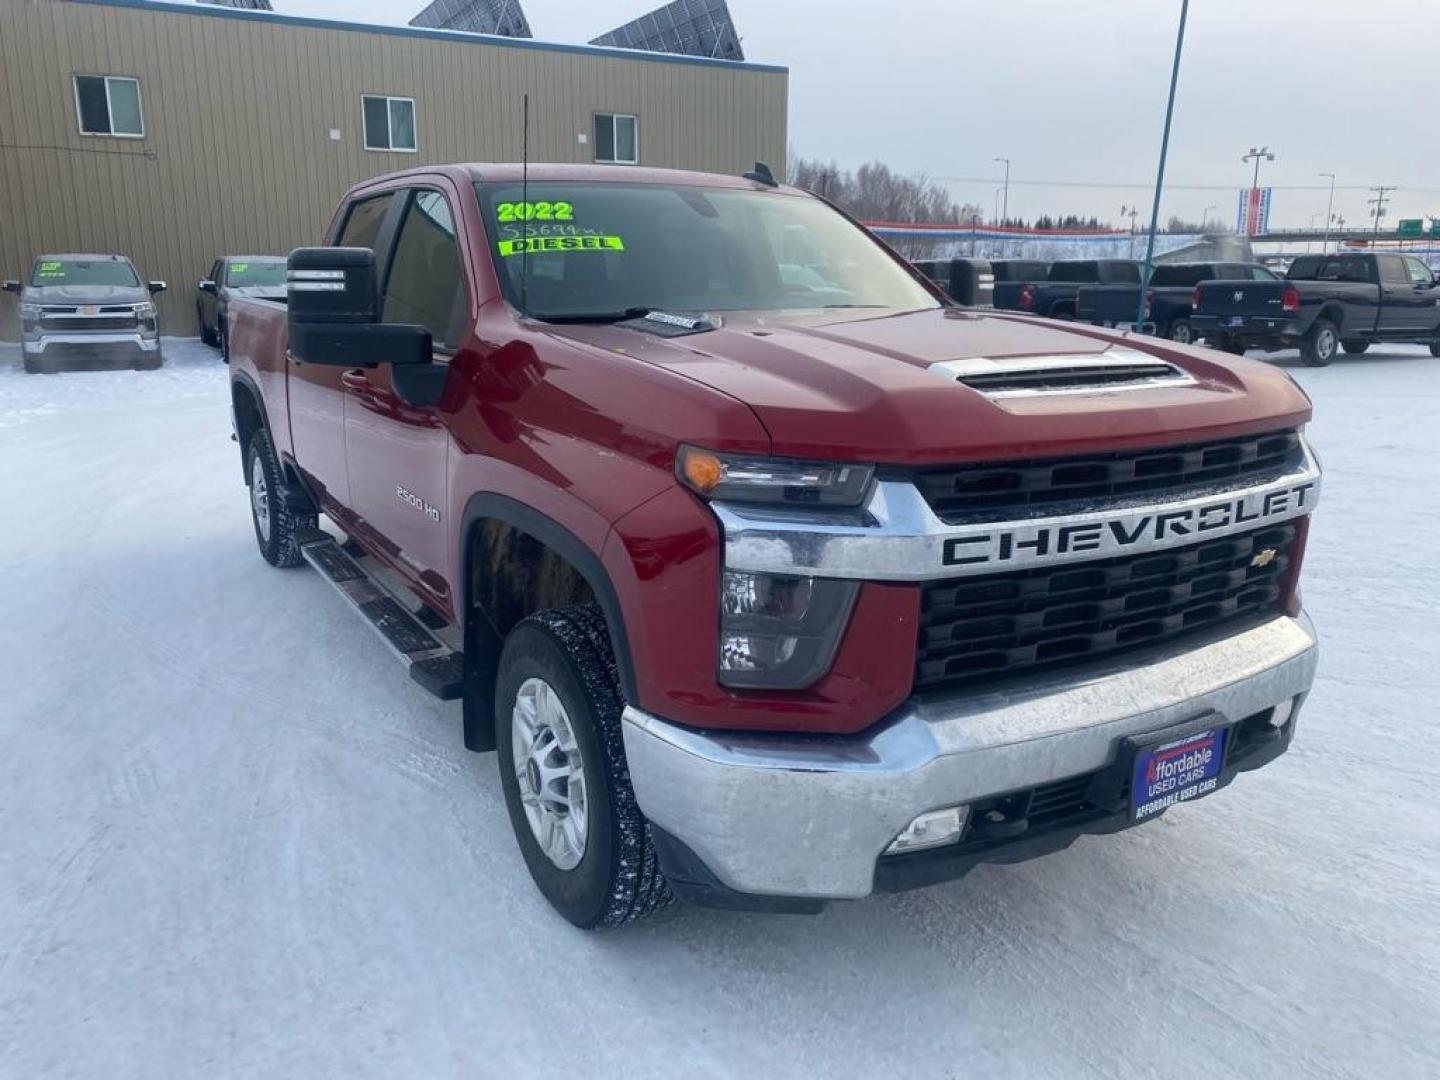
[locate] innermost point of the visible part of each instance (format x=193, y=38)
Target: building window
x=109, y=105
x=389, y=123
x=616, y=140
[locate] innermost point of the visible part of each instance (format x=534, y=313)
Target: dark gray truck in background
x=1054, y=296
x=1323, y=304
x=1169, y=298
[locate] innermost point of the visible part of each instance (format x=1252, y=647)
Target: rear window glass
x=245, y=273
x=83, y=272
x=1176, y=276
x=1082, y=272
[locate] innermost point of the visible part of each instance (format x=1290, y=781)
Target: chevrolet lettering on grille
x=1119, y=533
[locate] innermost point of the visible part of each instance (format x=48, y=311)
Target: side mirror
x=156, y=287
x=333, y=312
x=12, y=286
x=206, y=285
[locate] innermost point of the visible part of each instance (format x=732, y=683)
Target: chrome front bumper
x=808, y=817
x=132, y=338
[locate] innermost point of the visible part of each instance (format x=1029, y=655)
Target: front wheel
x=1181, y=332
x=1435, y=348
x=562, y=767
x=1320, y=344
x=1355, y=346
x=277, y=527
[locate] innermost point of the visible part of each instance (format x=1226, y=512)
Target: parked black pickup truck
x=1169, y=299
x=1324, y=303
x=1055, y=295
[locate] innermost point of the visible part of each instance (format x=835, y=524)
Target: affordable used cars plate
x=1176, y=771
x=1235, y=320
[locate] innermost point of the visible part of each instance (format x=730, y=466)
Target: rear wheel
x=206, y=337
x=277, y=527
x=562, y=767
x=1320, y=344
x=1181, y=332
x=1355, y=346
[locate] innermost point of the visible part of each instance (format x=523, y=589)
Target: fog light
x=1280, y=715
x=934, y=828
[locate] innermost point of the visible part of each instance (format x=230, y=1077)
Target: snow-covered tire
x=611, y=875
x=206, y=337
x=1354, y=346
x=1181, y=332
x=1320, y=345
x=277, y=528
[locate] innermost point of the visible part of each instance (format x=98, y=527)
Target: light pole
x=1263, y=154
x=1205, y=215
x=1329, y=205
x=1160, y=172
x=1006, y=160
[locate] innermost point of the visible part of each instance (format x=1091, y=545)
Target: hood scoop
x=668, y=324
x=1081, y=373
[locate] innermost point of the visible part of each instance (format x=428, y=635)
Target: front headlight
x=778, y=631
x=744, y=479
x=145, y=310
x=29, y=311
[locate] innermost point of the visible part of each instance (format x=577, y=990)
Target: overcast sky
x=1073, y=92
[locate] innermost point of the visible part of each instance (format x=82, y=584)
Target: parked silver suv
x=87, y=311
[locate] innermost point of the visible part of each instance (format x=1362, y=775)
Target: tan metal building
x=174, y=133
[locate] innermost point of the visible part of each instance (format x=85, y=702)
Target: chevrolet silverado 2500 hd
x=769, y=588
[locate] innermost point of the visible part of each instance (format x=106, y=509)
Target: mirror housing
x=334, y=315
x=11, y=285
x=156, y=287
x=206, y=285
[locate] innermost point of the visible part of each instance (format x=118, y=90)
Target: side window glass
x=1392, y=269
x=1418, y=272
x=1259, y=273
x=362, y=223
x=425, y=280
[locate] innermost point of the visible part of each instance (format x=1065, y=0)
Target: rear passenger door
x=397, y=452
x=317, y=407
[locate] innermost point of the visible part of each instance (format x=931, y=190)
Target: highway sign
x=1410, y=228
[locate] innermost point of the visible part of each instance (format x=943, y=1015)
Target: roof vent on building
x=1083, y=373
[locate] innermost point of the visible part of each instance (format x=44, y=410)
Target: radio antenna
x=525, y=206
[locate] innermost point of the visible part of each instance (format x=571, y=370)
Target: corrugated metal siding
x=236, y=155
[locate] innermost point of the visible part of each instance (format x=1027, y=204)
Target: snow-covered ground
x=236, y=841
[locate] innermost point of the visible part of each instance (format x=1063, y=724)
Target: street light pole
x=1160, y=172
x=1006, y=160
x=1205, y=215
x=1329, y=205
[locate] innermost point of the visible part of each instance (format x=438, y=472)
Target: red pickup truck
x=773, y=577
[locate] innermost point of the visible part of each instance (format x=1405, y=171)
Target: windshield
x=607, y=248
x=245, y=274
x=83, y=272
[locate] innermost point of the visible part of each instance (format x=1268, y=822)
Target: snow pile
x=237, y=841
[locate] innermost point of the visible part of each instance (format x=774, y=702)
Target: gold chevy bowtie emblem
x=1264, y=558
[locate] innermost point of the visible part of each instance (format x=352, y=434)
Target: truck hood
x=863, y=387
x=85, y=294
x=255, y=292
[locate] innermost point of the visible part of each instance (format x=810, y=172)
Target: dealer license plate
x=1235, y=320
x=1176, y=771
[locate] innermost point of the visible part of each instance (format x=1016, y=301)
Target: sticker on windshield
x=239, y=268
x=50, y=269
x=535, y=211
x=536, y=245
